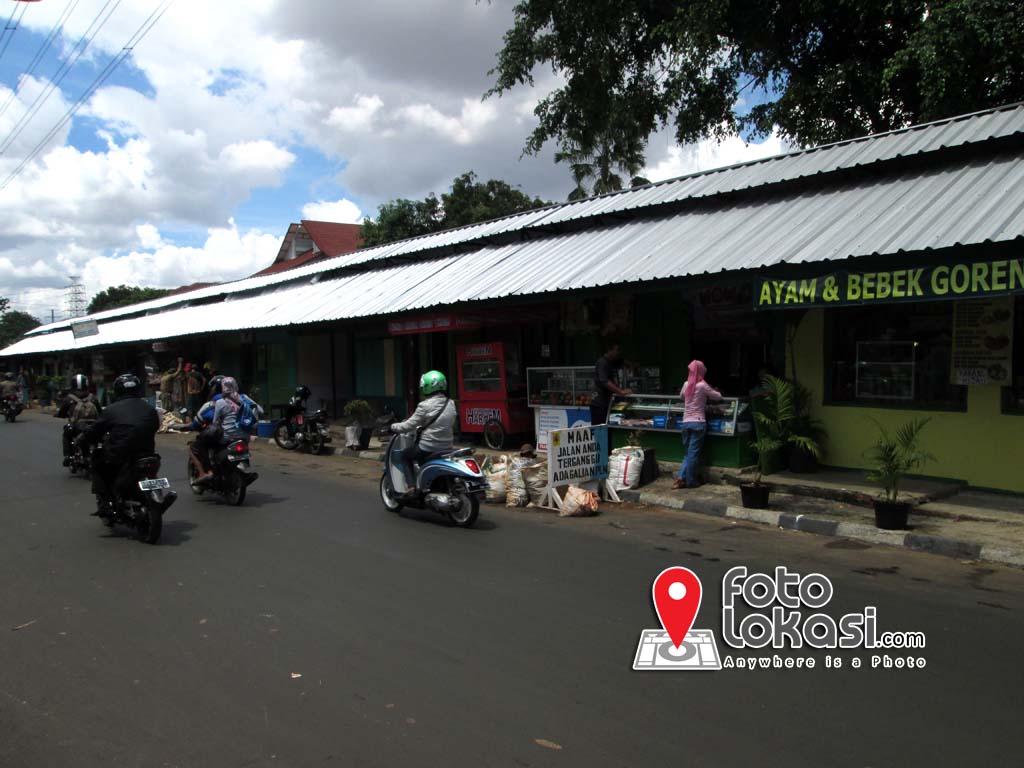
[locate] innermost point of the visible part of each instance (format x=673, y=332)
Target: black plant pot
x=365, y=434
x=891, y=515
x=800, y=461
x=754, y=496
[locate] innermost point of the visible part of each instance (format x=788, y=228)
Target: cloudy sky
x=233, y=118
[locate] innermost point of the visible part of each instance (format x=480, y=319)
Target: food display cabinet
x=659, y=420
x=491, y=400
x=560, y=398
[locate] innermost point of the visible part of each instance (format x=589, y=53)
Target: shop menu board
x=983, y=341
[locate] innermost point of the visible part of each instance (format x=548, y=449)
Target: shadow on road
x=175, y=532
x=426, y=516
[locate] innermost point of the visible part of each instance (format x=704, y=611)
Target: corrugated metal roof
x=937, y=208
x=917, y=140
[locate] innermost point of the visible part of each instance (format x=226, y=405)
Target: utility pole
x=74, y=298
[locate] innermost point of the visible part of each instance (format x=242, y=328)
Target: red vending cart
x=492, y=399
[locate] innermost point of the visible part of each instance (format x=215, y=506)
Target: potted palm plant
x=893, y=456
x=798, y=458
x=360, y=413
x=775, y=417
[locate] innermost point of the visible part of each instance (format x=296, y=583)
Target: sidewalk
x=949, y=520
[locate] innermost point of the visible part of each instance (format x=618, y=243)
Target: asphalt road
x=310, y=627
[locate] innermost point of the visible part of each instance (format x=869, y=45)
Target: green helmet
x=431, y=382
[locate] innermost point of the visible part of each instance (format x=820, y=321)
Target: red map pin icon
x=677, y=594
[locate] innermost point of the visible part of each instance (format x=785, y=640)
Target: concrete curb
x=937, y=545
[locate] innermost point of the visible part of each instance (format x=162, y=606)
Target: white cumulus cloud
x=340, y=211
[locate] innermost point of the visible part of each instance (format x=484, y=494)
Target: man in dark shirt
x=128, y=429
x=604, y=382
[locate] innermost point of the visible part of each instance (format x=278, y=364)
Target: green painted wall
x=982, y=446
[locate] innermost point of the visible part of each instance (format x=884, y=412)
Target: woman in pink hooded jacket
x=695, y=394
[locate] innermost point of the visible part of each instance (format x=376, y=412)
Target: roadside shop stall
x=492, y=400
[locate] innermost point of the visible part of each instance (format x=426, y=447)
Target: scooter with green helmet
x=422, y=470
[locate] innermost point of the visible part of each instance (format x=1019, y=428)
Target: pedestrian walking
x=695, y=394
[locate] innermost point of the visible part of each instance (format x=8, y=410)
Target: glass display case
x=570, y=386
x=560, y=398
x=729, y=416
x=662, y=415
x=490, y=392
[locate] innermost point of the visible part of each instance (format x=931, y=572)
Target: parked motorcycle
x=450, y=483
x=11, y=407
x=297, y=429
x=231, y=473
x=140, y=498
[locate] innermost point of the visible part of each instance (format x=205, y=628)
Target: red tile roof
x=332, y=238
x=306, y=257
x=189, y=287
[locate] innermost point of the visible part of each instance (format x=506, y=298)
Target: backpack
x=247, y=415
x=84, y=410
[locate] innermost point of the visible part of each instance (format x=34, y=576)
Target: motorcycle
x=11, y=407
x=80, y=461
x=231, y=473
x=140, y=498
x=449, y=483
x=298, y=429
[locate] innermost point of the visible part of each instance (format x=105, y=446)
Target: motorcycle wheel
x=234, y=494
x=316, y=443
x=192, y=480
x=468, y=511
x=150, y=525
x=494, y=435
x=390, y=503
x=283, y=438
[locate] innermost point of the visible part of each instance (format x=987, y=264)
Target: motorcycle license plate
x=154, y=484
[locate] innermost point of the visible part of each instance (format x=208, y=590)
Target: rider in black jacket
x=129, y=425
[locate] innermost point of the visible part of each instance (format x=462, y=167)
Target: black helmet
x=215, y=385
x=79, y=382
x=127, y=385
x=302, y=392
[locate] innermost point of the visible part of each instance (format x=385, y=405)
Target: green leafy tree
x=123, y=296
x=828, y=70
x=467, y=202
x=14, y=324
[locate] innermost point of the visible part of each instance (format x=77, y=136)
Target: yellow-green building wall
x=981, y=446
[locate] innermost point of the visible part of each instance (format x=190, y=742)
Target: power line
x=112, y=65
x=38, y=58
x=5, y=37
x=76, y=53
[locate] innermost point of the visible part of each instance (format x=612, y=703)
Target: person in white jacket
x=433, y=421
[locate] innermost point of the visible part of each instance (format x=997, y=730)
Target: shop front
x=939, y=336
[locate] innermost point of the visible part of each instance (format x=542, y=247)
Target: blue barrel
x=264, y=429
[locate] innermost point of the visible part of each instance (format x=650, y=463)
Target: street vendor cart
x=492, y=400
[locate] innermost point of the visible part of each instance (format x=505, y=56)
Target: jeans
x=693, y=441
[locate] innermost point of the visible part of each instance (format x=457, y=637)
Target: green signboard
x=940, y=281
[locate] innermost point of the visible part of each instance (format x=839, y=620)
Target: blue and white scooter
x=451, y=483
